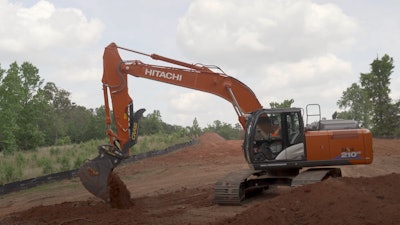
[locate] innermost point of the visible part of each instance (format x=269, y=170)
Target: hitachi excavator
x=278, y=147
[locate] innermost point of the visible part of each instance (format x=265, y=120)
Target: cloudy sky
x=308, y=50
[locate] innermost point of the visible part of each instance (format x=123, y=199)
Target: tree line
x=36, y=113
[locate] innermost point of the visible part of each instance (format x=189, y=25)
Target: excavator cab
x=277, y=139
x=281, y=150
x=273, y=136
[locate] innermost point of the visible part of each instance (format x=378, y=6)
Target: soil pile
x=373, y=200
x=210, y=138
x=178, y=189
x=120, y=197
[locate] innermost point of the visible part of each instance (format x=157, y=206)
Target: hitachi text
x=162, y=74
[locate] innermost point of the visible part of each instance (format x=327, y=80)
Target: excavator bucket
x=94, y=174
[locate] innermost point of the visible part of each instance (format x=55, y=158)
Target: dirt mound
x=335, y=201
x=74, y=213
x=210, y=137
x=178, y=189
x=161, y=209
x=120, y=197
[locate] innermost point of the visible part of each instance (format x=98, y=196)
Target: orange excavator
x=278, y=147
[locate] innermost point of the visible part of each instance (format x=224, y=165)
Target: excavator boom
x=94, y=174
x=197, y=77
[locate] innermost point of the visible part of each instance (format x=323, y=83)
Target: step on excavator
x=278, y=147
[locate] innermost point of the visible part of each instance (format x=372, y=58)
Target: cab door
x=293, y=137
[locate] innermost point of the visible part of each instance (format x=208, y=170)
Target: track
x=230, y=189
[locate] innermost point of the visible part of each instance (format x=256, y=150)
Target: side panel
x=368, y=150
x=347, y=144
x=317, y=145
x=353, y=146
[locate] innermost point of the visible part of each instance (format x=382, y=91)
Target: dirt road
x=178, y=189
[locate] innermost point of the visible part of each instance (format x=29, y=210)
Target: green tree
x=224, y=129
x=285, y=104
x=49, y=120
x=10, y=106
x=29, y=134
x=376, y=85
x=195, y=129
x=33, y=115
x=58, y=112
x=77, y=121
x=357, y=105
x=369, y=103
x=151, y=124
x=21, y=107
x=96, y=128
x=396, y=113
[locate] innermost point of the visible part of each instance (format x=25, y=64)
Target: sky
x=306, y=50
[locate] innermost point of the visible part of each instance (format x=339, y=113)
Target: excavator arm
x=95, y=173
x=197, y=77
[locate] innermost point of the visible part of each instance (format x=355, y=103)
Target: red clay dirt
x=120, y=196
x=178, y=189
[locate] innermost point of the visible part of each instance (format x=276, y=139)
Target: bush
x=29, y=164
x=47, y=165
x=64, y=141
x=79, y=161
x=64, y=162
x=54, y=151
x=20, y=160
x=9, y=173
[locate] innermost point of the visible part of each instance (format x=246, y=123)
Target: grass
x=23, y=165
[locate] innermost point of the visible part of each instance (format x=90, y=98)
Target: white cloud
x=186, y=105
x=282, y=49
x=263, y=31
x=190, y=102
x=308, y=78
x=41, y=27
x=56, y=40
x=180, y=105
